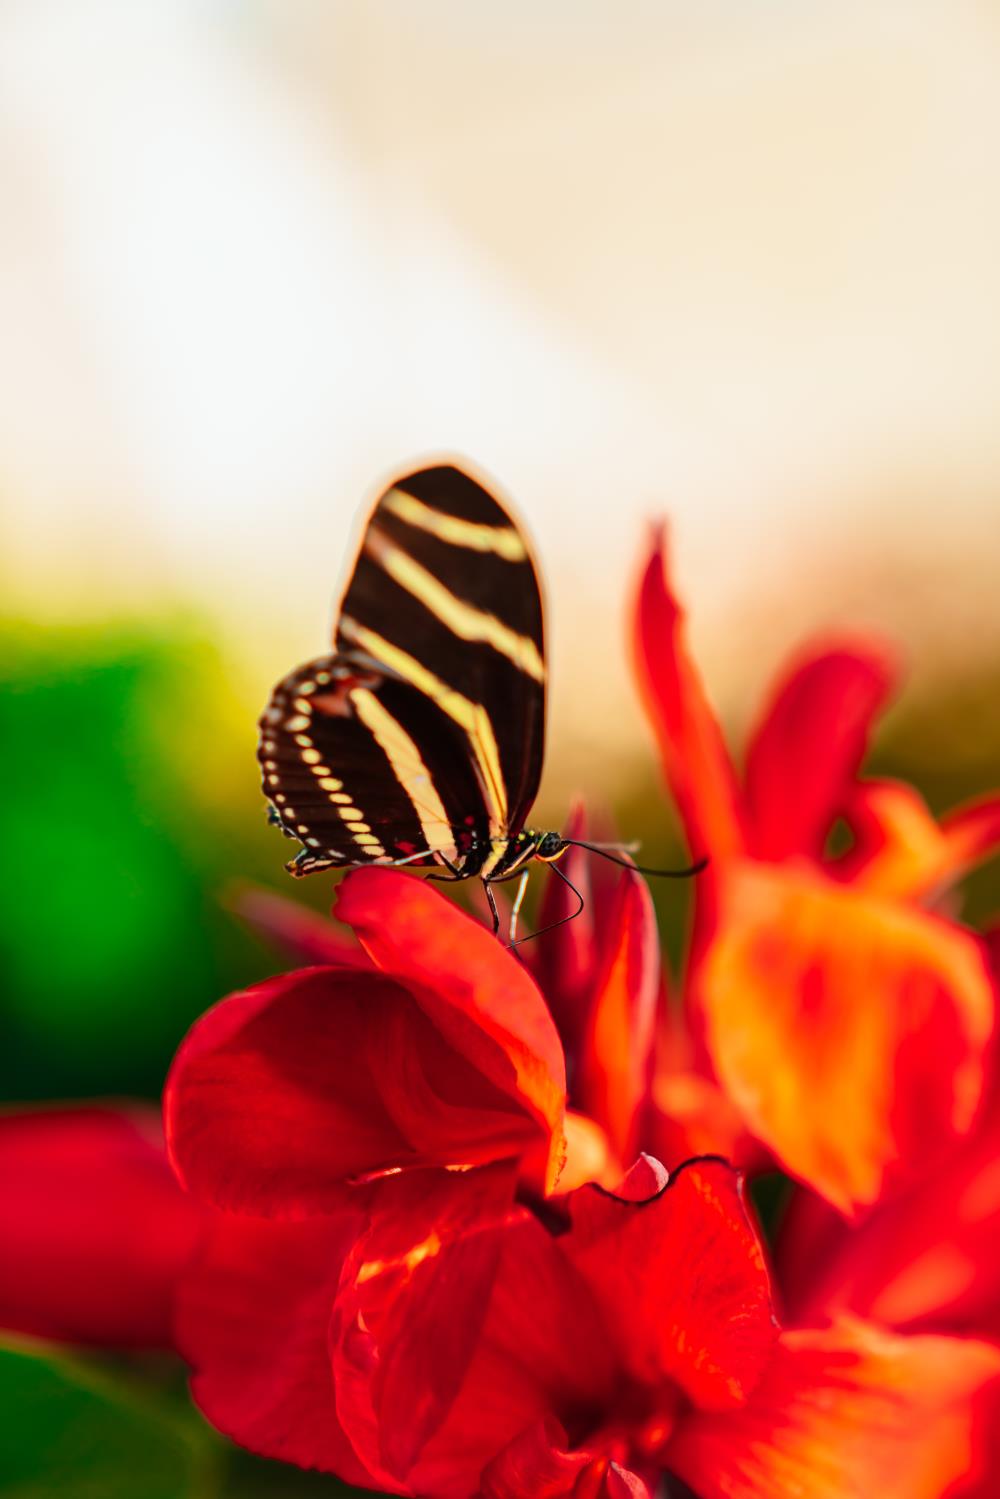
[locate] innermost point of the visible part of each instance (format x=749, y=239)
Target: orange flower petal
x=849, y=1412
x=849, y=1030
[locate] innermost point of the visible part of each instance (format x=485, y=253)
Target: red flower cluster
x=455, y=1227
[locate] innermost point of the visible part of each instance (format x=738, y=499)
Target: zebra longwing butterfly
x=419, y=740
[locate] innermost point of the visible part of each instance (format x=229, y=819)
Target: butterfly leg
x=563, y=919
x=455, y=872
x=493, y=906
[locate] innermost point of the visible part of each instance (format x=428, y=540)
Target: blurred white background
x=736, y=263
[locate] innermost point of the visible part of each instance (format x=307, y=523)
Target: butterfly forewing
x=425, y=730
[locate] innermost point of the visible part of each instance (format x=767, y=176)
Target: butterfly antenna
x=604, y=850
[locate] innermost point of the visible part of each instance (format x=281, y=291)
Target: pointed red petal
x=846, y=1411
x=972, y=832
x=565, y=960
x=809, y=746
x=695, y=759
x=301, y=932
x=616, y=1053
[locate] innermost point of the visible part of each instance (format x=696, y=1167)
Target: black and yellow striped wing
x=421, y=737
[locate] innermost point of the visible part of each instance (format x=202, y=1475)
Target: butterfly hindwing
x=424, y=731
x=331, y=784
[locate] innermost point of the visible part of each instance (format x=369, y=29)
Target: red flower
x=450, y=1316
x=846, y=1022
x=96, y=1230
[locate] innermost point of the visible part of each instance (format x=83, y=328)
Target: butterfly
x=419, y=739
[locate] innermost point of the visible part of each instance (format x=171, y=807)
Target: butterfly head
x=549, y=847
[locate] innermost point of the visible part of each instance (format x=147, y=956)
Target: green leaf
x=72, y=1431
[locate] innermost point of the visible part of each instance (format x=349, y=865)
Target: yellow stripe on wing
x=471, y=717
x=502, y=541
x=464, y=619
x=409, y=769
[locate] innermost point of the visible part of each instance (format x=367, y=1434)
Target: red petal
x=901, y=851
x=96, y=1230
x=476, y=993
x=972, y=832
x=414, y=1295
x=679, y=1278
x=534, y=1348
x=615, y=1060
x=301, y=932
x=695, y=759
x=282, y=1095
x=252, y=1322
x=846, y=1411
x=565, y=960
x=848, y=1029
x=809, y=746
